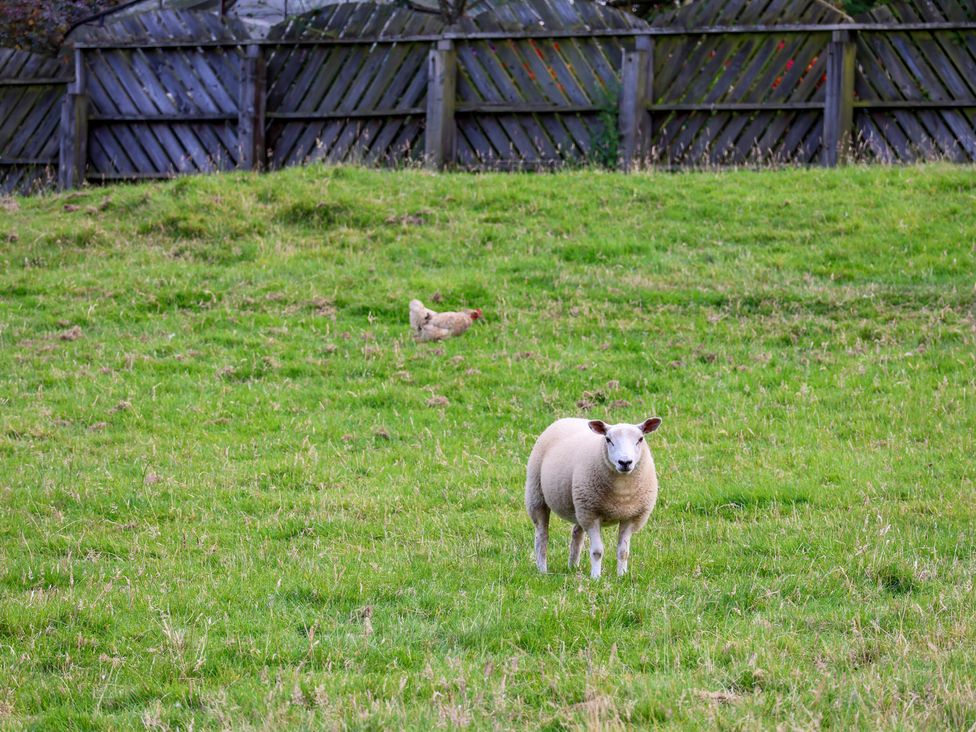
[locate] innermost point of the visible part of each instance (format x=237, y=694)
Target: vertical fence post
x=440, y=132
x=636, y=93
x=839, y=104
x=251, y=110
x=73, y=152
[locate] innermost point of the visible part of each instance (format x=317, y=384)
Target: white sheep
x=591, y=474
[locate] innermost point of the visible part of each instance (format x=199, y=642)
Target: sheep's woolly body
x=569, y=473
x=568, y=466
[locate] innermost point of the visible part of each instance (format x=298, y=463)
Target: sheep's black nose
x=625, y=464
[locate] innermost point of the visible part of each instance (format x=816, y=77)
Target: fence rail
x=713, y=83
x=716, y=30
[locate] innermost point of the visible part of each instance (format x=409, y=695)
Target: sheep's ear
x=649, y=425
x=599, y=427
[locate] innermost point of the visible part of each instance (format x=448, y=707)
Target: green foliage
x=606, y=141
x=40, y=25
x=229, y=499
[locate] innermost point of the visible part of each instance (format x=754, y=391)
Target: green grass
x=225, y=501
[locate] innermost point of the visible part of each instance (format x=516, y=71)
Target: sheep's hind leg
x=540, y=517
x=623, y=547
x=575, y=546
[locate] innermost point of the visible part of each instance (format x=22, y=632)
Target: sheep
x=591, y=474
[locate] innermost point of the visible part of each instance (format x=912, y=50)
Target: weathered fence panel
x=349, y=84
x=916, y=90
x=749, y=98
x=540, y=102
x=746, y=97
x=164, y=90
x=32, y=88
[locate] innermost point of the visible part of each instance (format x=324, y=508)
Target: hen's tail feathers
x=418, y=314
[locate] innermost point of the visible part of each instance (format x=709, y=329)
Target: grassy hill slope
x=233, y=491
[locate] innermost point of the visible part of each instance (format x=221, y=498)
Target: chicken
x=428, y=325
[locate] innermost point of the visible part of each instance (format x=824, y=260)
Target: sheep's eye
x=608, y=441
x=640, y=440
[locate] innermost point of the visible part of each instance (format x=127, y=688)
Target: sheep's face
x=625, y=442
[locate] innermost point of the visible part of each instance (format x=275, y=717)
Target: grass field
x=231, y=497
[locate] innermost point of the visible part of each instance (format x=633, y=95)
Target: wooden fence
x=164, y=97
x=348, y=84
x=526, y=84
x=915, y=88
x=31, y=94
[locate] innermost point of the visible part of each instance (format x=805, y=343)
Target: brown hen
x=428, y=325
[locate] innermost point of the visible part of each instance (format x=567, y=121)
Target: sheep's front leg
x=596, y=549
x=623, y=547
x=540, y=517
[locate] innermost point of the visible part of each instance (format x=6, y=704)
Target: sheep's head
x=625, y=442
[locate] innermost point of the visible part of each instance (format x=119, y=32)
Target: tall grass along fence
x=526, y=84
